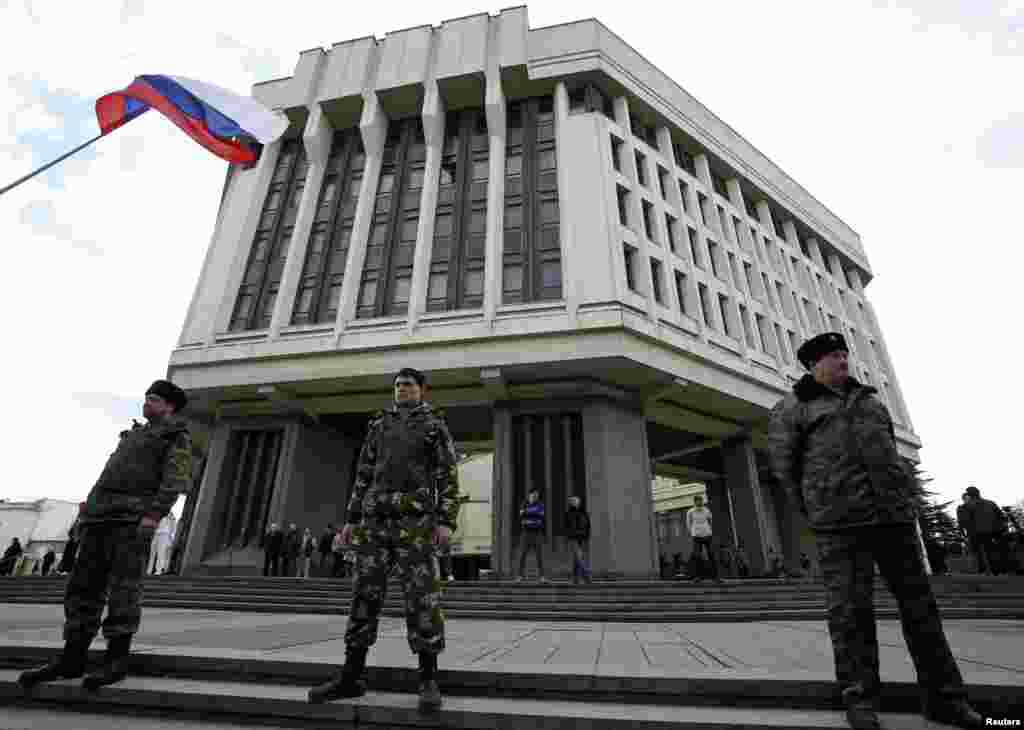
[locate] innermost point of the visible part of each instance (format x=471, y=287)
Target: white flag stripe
x=264, y=124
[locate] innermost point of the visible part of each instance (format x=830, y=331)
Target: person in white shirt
x=698, y=524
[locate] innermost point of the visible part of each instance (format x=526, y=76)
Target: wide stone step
x=283, y=705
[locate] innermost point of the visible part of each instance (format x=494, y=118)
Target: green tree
x=938, y=526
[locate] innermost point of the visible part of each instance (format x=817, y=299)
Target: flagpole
x=47, y=166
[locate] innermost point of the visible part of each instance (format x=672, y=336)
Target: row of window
x=531, y=250
x=729, y=228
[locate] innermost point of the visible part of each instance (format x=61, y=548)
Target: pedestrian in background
x=833, y=448
x=698, y=524
x=273, y=543
x=533, y=523
x=306, y=551
x=985, y=524
x=290, y=550
x=324, y=548
x=577, y=528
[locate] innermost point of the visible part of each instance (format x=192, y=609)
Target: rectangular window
x=387, y=271
x=684, y=159
x=257, y=293
x=460, y=223
x=623, y=198
x=751, y=206
x=747, y=331
x=641, y=168
x=803, y=248
x=590, y=98
x=643, y=131
x=748, y=272
x=767, y=290
x=648, y=212
x=723, y=220
x=319, y=290
x=780, y=229
x=532, y=253
x=723, y=306
x=792, y=341
x=684, y=196
x=782, y=343
x=761, y=324
x=662, y=177
x=691, y=234
x=705, y=312
x=825, y=261
x=713, y=257
x=659, y=296
x=616, y=152
x=680, y=279
x=734, y=267
x=718, y=183
x=809, y=312
x=702, y=200
x=783, y=299
x=629, y=256
x=670, y=227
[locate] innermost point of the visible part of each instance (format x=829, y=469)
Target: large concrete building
x=603, y=279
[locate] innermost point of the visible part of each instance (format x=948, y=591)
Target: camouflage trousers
x=108, y=571
x=848, y=559
x=406, y=547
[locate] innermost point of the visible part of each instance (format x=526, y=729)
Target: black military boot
x=862, y=717
x=115, y=664
x=954, y=712
x=348, y=682
x=430, y=693
x=69, y=665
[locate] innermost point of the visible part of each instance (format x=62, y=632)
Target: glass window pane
x=474, y=283
x=513, y=165
x=409, y=230
x=513, y=216
x=387, y=183
x=443, y=225
x=513, y=278
x=549, y=211
x=401, y=290
x=477, y=222
x=438, y=286
x=481, y=170
x=368, y=294
x=551, y=274
x=513, y=242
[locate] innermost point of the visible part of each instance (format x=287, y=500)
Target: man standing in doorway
x=140, y=483
x=534, y=524
x=577, y=527
x=698, y=524
x=273, y=543
x=833, y=448
x=984, y=524
x=404, y=507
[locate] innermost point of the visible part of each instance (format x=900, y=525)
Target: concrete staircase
x=254, y=693
x=636, y=601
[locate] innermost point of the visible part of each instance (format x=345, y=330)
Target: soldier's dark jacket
x=407, y=468
x=151, y=466
x=836, y=457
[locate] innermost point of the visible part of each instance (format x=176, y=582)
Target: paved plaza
x=989, y=651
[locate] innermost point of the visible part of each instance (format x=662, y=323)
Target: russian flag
x=231, y=126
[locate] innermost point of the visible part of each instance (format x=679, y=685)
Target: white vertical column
x=494, y=104
x=433, y=133
x=565, y=231
x=317, y=140
x=373, y=126
x=243, y=231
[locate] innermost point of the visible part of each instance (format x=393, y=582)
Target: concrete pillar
x=723, y=523
x=433, y=133
x=748, y=501
x=206, y=499
x=502, y=498
x=316, y=139
x=494, y=105
x=565, y=203
x=623, y=542
x=373, y=126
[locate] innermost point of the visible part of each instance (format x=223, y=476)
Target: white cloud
x=894, y=116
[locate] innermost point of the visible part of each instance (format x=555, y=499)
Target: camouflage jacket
x=407, y=467
x=151, y=466
x=836, y=457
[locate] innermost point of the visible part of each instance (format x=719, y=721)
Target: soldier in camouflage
x=833, y=448
x=140, y=483
x=403, y=508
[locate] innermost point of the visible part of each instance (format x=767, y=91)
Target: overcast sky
x=904, y=118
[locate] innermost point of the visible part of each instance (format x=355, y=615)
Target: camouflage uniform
x=151, y=466
x=835, y=454
x=406, y=484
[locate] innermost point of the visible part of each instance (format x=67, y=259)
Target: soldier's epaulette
x=377, y=417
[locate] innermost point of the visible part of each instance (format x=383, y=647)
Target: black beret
x=973, y=491
x=819, y=346
x=416, y=375
x=169, y=392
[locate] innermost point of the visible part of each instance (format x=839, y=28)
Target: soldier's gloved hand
x=442, y=535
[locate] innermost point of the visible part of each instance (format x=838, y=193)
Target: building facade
x=605, y=282
x=39, y=525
